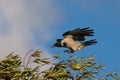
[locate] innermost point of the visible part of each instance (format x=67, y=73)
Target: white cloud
x=21, y=19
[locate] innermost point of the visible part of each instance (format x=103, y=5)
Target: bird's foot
x=68, y=51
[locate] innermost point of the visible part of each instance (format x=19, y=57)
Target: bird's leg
x=68, y=51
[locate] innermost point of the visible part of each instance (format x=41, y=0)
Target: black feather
x=58, y=43
x=90, y=42
x=79, y=34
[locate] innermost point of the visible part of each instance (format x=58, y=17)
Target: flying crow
x=75, y=39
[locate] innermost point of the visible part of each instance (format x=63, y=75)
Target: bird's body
x=74, y=39
x=68, y=41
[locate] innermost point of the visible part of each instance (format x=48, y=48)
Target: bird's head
x=58, y=43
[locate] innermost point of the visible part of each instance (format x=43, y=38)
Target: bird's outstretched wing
x=79, y=34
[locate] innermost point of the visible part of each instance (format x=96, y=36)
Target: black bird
x=75, y=39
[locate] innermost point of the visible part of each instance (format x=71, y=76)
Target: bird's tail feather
x=90, y=42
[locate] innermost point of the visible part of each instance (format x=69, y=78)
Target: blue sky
x=37, y=24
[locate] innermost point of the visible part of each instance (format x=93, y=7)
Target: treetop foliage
x=13, y=67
